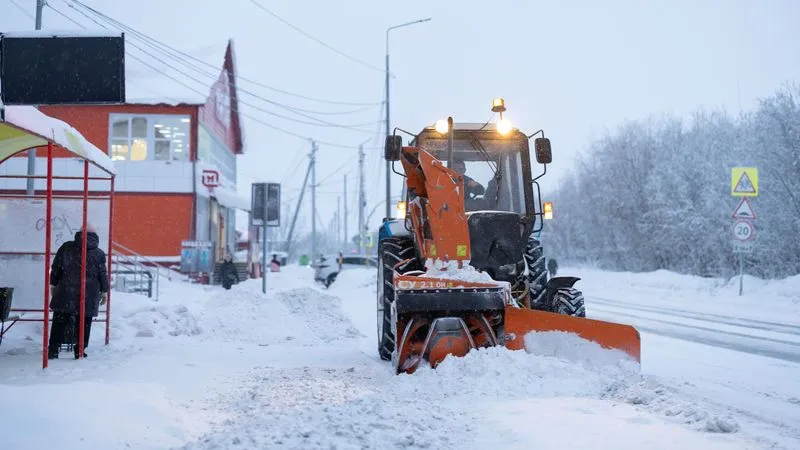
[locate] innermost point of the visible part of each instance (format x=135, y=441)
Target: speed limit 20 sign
x=743, y=230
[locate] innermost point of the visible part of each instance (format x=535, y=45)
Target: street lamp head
x=413, y=22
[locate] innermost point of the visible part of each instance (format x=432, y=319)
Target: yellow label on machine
x=461, y=250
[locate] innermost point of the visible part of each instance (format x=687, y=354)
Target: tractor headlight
x=401, y=210
x=442, y=127
x=548, y=210
x=504, y=126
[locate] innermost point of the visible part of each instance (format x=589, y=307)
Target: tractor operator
x=472, y=189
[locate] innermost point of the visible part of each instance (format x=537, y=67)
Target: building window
x=149, y=137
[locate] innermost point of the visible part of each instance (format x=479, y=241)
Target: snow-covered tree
x=655, y=194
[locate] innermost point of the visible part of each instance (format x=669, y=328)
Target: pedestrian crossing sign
x=744, y=182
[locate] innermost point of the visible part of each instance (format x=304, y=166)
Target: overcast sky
x=574, y=68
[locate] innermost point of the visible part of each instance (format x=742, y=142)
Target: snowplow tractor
x=461, y=266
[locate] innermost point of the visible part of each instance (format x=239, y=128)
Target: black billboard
x=265, y=208
x=258, y=204
x=273, y=204
x=46, y=68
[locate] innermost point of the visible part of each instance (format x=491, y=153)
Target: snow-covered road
x=758, y=337
x=739, y=353
x=205, y=368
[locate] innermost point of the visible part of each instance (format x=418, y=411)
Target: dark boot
x=87, y=330
x=58, y=329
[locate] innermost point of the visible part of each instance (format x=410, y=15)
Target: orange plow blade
x=609, y=335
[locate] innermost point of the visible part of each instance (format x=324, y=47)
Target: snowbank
x=762, y=299
x=631, y=388
x=361, y=405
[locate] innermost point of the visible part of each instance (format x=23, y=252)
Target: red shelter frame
x=48, y=251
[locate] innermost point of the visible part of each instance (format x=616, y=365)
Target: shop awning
x=230, y=199
x=26, y=127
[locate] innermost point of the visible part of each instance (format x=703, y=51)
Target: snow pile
x=323, y=314
x=451, y=271
x=366, y=406
x=646, y=393
x=654, y=397
x=156, y=320
x=133, y=318
x=570, y=347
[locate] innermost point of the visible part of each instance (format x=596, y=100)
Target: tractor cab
x=496, y=167
x=495, y=162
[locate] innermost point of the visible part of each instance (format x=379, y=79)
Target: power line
x=329, y=47
x=185, y=57
x=234, y=108
x=145, y=37
x=338, y=170
x=24, y=11
x=322, y=123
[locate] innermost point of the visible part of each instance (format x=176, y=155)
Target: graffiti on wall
x=61, y=229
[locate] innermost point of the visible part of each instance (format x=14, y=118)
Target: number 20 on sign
x=743, y=230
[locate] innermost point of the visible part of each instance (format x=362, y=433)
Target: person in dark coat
x=65, y=288
x=228, y=273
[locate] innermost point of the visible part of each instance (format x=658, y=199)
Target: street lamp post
x=388, y=125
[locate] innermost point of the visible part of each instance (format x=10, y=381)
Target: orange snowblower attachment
x=449, y=308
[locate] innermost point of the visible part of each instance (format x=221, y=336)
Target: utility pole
x=313, y=200
x=338, y=226
x=297, y=210
x=39, y=9
x=388, y=133
x=32, y=152
x=345, y=213
x=361, y=200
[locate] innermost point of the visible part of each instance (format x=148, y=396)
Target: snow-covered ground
x=298, y=368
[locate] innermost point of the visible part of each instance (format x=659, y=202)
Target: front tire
x=391, y=252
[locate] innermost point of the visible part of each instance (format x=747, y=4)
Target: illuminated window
x=149, y=137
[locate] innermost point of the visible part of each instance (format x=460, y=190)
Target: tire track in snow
x=755, y=324
x=709, y=336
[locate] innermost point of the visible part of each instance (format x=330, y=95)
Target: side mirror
x=544, y=154
x=392, y=148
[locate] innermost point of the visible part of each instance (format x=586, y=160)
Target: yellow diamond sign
x=744, y=182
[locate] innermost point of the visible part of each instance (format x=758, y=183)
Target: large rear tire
x=537, y=273
x=391, y=251
x=566, y=301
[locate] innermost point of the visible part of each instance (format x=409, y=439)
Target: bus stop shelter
x=33, y=226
